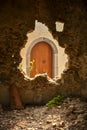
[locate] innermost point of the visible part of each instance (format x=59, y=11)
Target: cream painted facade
x=41, y=32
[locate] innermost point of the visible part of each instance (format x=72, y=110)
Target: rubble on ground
x=70, y=115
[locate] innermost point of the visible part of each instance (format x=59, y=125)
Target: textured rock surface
x=37, y=90
x=18, y=17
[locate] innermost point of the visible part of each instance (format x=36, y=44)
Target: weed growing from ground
x=55, y=101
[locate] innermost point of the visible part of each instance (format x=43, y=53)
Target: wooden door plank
x=41, y=53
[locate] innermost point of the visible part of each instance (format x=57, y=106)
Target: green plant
x=20, y=66
x=55, y=101
x=31, y=65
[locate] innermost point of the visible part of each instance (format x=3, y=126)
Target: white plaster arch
x=55, y=55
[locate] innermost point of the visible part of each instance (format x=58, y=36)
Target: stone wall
x=18, y=17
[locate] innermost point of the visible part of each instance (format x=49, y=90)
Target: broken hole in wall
x=34, y=57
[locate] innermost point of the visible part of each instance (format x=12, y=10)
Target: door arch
x=55, y=55
x=41, y=58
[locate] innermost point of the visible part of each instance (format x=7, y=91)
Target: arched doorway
x=41, y=58
x=54, y=55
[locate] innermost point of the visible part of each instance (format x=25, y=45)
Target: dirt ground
x=70, y=115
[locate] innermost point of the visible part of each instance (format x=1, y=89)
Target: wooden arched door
x=41, y=59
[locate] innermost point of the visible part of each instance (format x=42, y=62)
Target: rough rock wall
x=14, y=24
x=18, y=17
